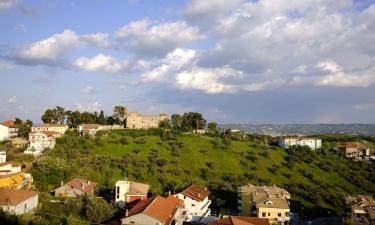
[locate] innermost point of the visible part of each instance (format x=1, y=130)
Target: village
x=256, y=205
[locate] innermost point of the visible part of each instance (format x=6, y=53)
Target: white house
x=7, y=168
x=196, y=203
x=3, y=156
x=8, y=130
x=18, y=201
x=88, y=128
x=41, y=140
x=130, y=192
x=313, y=143
x=59, y=128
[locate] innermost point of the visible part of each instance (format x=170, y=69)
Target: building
x=264, y=202
x=41, y=140
x=75, y=188
x=18, y=201
x=240, y=220
x=7, y=168
x=196, y=203
x=135, y=120
x=130, y=192
x=360, y=208
x=16, y=180
x=353, y=150
x=313, y=143
x=3, y=156
x=89, y=128
x=8, y=130
x=59, y=128
x=155, y=211
x=19, y=142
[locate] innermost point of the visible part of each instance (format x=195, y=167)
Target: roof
x=196, y=192
x=9, y=123
x=14, y=197
x=50, y=133
x=138, y=189
x=301, y=138
x=277, y=203
x=240, y=220
x=82, y=184
x=50, y=125
x=158, y=207
x=89, y=125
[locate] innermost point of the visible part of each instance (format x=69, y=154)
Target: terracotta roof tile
x=195, y=192
x=9, y=123
x=83, y=185
x=13, y=196
x=240, y=220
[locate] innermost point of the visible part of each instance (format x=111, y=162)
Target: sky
x=259, y=61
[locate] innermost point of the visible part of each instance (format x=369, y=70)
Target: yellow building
x=17, y=180
x=264, y=202
x=136, y=120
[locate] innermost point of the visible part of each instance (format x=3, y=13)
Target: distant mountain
x=304, y=129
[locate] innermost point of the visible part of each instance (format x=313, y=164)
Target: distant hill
x=305, y=129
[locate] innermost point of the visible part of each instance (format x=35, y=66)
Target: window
x=118, y=192
x=269, y=214
x=263, y=214
x=279, y=214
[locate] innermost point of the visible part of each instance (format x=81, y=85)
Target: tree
x=176, y=121
x=164, y=124
x=119, y=112
x=101, y=118
x=48, y=116
x=98, y=210
x=193, y=121
x=212, y=127
x=73, y=118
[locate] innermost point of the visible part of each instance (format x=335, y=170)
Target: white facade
x=59, y=128
x=194, y=210
x=122, y=187
x=26, y=206
x=9, y=168
x=313, y=143
x=7, y=132
x=3, y=156
x=40, y=141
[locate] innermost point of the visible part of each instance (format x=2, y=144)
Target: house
x=3, y=156
x=135, y=120
x=75, y=188
x=7, y=168
x=130, y=192
x=353, y=150
x=19, y=142
x=41, y=140
x=360, y=208
x=196, y=202
x=313, y=143
x=59, y=128
x=11, y=175
x=240, y=220
x=18, y=201
x=264, y=202
x=89, y=128
x=8, y=130
x=155, y=211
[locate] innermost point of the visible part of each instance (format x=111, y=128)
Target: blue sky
x=235, y=61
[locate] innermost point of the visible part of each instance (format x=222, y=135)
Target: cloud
x=5, y=65
x=88, y=90
x=12, y=99
x=54, y=48
x=91, y=107
x=150, y=38
x=20, y=28
x=101, y=63
x=6, y=4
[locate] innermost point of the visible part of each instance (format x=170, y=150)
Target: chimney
x=169, y=192
x=83, y=185
x=62, y=183
x=126, y=212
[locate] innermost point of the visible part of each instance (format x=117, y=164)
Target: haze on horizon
x=265, y=61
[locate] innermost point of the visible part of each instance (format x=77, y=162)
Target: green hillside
x=169, y=162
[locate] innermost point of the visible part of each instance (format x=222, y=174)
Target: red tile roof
x=195, y=192
x=240, y=220
x=50, y=133
x=13, y=196
x=158, y=207
x=9, y=123
x=83, y=185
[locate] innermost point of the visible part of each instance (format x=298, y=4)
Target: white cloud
x=101, y=63
x=266, y=85
x=149, y=38
x=5, y=66
x=12, y=99
x=301, y=69
x=6, y=4
x=91, y=107
x=57, y=46
x=20, y=28
x=88, y=90
x=207, y=79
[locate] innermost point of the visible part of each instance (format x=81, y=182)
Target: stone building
x=136, y=120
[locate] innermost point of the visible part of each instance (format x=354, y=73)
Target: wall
x=141, y=219
x=4, y=132
x=23, y=207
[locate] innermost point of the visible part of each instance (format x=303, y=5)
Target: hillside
x=169, y=162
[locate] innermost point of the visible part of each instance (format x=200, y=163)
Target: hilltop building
x=353, y=150
x=196, y=203
x=361, y=209
x=59, y=128
x=75, y=188
x=8, y=130
x=155, y=211
x=269, y=202
x=313, y=143
x=135, y=120
x=18, y=201
x=130, y=192
x=41, y=140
